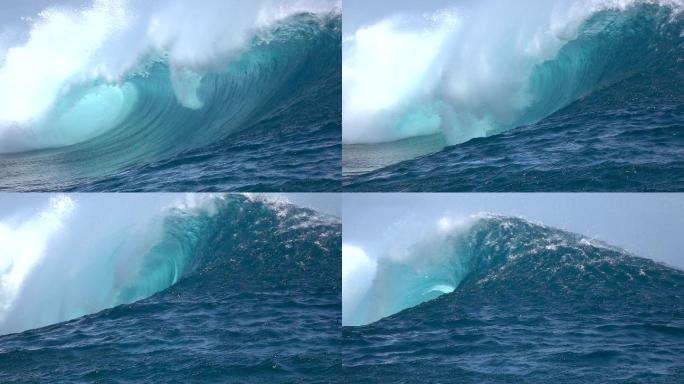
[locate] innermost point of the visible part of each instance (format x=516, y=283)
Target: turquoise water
x=268, y=120
x=246, y=292
x=531, y=304
x=606, y=115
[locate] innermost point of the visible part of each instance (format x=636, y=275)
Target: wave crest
x=80, y=256
x=76, y=73
x=497, y=66
x=499, y=256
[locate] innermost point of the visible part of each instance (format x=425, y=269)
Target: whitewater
x=140, y=287
x=65, y=49
x=61, y=261
x=108, y=88
x=539, y=96
x=57, y=265
x=479, y=68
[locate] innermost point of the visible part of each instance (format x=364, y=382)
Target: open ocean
x=518, y=302
x=237, y=290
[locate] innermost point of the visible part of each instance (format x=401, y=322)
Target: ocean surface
x=606, y=113
x=242, y=290
x=262, y=116
x=519, y=303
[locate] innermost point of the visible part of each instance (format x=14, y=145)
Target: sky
x=360, y=13
x=14, y=10
x=330, y=203
x=648, y=225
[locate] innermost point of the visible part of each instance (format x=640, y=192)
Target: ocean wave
x=59, y=265
x=506, y=258
x=119, y=66
x=481, y=69
x=168, y=95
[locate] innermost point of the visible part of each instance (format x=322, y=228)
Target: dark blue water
x=270, y=121
x=258, y=301
x=536, y=305
x=620, y=126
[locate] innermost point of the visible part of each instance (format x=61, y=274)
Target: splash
x=23, y=246
x=69, y=76
x=484, y=67
x=80, y=255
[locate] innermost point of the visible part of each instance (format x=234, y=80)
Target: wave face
x=608, y=89
x=528, y=303
x=230, y=288
x=146, y=101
